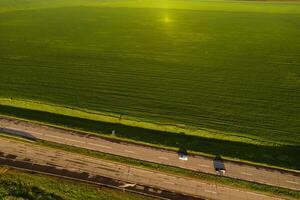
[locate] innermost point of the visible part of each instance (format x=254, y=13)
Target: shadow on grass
x=282, y=156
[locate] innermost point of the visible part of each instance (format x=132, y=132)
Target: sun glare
x=167, y=19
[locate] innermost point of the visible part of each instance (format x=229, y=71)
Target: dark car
x=219, y=166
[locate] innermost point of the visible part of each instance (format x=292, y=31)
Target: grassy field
x=20, y=185
x=229, y=67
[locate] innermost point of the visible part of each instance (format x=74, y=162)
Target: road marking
x=139, y=187
x=293, y=182
x=261, y=195
x=99, y=145
x=3, y=170
x=128, y=185
x=54, y=136
x=37, y=133
x=163, y=158
x=245, y=173
x=201, y=165
x=168, y=182
x=210, y=191
x=128, y=151
x=74, y=140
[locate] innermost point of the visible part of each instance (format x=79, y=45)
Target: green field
x=16, y=185
x=229, y=69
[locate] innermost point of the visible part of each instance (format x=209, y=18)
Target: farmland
x=232, y=68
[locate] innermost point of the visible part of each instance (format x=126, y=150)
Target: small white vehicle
x=182, y=156
x=221, y=172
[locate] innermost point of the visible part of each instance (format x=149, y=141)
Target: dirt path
x=199, y=163
x=41, y=157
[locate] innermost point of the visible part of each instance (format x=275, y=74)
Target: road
x=247, y=172
x=44, y=156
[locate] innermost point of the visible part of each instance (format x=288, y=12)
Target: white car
x=221, y=172
x=182, y=156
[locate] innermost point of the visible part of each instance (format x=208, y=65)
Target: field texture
x=16, y=185
x=231, y=67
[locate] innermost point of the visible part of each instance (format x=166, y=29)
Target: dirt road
x=43, y=156
x=248, y=172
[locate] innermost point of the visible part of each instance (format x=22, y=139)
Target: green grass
x=222, y=70
x=283, y=156
x=19, y=185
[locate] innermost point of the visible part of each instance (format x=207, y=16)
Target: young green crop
x=226, y=66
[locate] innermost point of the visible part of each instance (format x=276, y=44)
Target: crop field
x=229, y=67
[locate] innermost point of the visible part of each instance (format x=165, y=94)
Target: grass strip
x=15, y=184
x=282, y=156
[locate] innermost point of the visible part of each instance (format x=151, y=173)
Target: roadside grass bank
x=266, y=189
x=281, y=156
x=15, y=184
x=131, y=121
